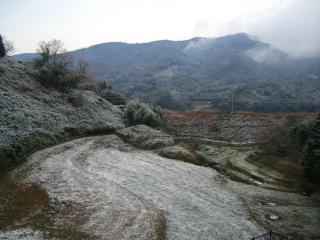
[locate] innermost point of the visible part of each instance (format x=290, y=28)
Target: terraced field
x=245, y=165
x=102, y=188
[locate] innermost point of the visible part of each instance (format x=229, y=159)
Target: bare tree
x=82, y=66
x=8, y=46
x=52, y=54
x=54, y=66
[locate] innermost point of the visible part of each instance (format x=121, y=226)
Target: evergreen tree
x=2, y=48
x=309, y=138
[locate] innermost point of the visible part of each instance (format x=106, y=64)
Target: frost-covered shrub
x=140, y=113
x=112, y=97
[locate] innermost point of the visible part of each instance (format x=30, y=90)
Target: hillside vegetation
x=308, y=137
x=34, y=117
x=179, y=74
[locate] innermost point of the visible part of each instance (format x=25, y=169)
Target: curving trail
x=120, y=192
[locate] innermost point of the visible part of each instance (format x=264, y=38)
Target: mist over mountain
x=256, y=75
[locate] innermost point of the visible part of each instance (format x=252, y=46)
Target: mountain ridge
x=207, y=68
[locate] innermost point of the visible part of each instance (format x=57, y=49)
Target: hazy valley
x=181, y=74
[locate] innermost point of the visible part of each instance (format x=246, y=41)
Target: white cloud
x=292, y=25
x=265, y=54
x=199, y=44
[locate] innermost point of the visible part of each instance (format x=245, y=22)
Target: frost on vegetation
x=145, y=137
x=140, y=113
x=134, y=193
x=33, y=117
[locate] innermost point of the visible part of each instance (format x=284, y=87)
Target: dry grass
x=274, y=115
x=270, y=129
x=189, y=117
x=286, y=165
x=210, y=116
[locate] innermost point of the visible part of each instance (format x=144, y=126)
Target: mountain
x=177, y=74
x=25, y=56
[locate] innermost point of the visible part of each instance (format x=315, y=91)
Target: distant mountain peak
x=237, y=35
x=206, y=67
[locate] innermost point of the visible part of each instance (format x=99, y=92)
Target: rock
x=33, y=117
x=273, y=217
x=145, y=137
x=270, y=204
x=179, y=153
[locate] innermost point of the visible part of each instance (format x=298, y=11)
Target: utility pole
x=232, y=100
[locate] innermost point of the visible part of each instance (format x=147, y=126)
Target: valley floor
x=102, y=188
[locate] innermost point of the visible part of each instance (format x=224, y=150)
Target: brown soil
x=209, y=116
x=20, y=204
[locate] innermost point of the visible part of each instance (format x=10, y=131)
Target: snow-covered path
x=125, y=193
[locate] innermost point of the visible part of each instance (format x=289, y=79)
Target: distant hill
x=25, y=56
x=178, y=74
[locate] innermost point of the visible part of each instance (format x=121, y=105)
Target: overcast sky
x=291, y=25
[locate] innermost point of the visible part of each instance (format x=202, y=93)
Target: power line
x=231, y=100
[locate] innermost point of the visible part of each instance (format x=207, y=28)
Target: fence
x=272, y=236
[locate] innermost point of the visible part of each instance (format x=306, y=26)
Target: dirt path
x=103, y=188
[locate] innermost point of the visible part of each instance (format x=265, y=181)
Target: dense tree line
x=308, y=137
